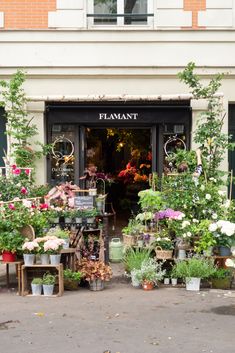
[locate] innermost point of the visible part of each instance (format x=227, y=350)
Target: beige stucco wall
x=136, y=63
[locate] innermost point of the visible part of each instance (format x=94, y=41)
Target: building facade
x=97, y=66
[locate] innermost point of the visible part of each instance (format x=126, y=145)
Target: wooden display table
x=29, y=272
x=18, y=265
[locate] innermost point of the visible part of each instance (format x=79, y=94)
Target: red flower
x=27, y=171
x=13, y=166
x=11, y=206
x=33, y=206
x=24, y=190
x=44, y=206
x=16, y=171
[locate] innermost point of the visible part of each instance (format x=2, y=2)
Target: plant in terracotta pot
x=96, y=273
x=10, y=244
x=150, y=273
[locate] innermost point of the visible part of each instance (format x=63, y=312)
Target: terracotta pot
x=8, y=256
x=147, y=285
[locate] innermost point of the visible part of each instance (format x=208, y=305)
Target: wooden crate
x=29, y=272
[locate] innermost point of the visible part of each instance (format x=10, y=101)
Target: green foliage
x=48, y=278
x=150, y=271
x=150, y=200
x=206, y=238
x=134, y=227
x=20, y=128
x=134, y=258
x=11, y=241
x=212, y=141
x=194, y=267
x=37, y=280
x=182, y=156
x=75, y=276
x=221, y=273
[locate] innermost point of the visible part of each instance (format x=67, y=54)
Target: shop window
x=121, y=12
x=62, y=156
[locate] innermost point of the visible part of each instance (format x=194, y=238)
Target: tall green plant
x=212, y=141
x=20, y=130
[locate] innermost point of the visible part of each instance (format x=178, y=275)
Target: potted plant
x=174, y=278
x=133, y=258
x=72, y=279
x=222, y=278
x=90, y=215
x=150, y=273
x=30, y=248
x=52, y=246
x=132, y=231
x=68, y=215
x=163, y=246
x=96, y=273
x=10, y=244
x=61, y=234
x=150, y=200
x=224, y=232
x=36, y=286
x=78, y=214
x=206, y=240
x=193, y=270
x=48, y=283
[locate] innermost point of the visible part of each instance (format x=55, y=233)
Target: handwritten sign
x=83, y=202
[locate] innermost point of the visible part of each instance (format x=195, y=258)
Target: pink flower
x=11, y=206
x=30, y=246
x=27, y=171
x=13, y=166
x=24, y=190
x=16, y=171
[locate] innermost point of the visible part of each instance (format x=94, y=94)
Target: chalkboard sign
x=83, y=202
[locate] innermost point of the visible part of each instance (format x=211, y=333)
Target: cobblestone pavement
x=119, y=319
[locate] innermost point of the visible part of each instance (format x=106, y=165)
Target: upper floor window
x=121, y=12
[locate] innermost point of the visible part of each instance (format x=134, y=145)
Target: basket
x=163, y=254
x=129, y=240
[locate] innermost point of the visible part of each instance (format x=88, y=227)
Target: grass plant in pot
x=48, y=283
x=72, y=279
x=132, y=260
x=193, y=270
x=10, y=244
x=36, y=286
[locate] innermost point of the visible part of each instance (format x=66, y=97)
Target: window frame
x=120, y=20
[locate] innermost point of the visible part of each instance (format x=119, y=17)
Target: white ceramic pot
x=193, y=283
x=29, y=259
x=67, y=220
x=66, y=244
x=181, y=254
x=174, y=281
x=92, y=192
x=166, y=281
x=90, y=220
x=78, y=219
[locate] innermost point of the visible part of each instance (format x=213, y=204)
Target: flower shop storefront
x=120, y=143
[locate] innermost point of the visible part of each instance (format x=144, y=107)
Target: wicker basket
x=129, y=240
x=163, y=254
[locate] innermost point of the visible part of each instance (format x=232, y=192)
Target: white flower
x=158, y=239
x=188, y=234
x=202, y=187
x=226, y=204
x=195, y=220
x=185, y=224
x=213, y=179
x=184, y=235
x=222, y=193
x=213, y=227
x=214, y=216
x=230, y=263
x=208, y=196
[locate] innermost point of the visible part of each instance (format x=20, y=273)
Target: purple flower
x=168, y=213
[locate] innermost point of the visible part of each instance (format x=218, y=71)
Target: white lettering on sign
x=118, y=116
